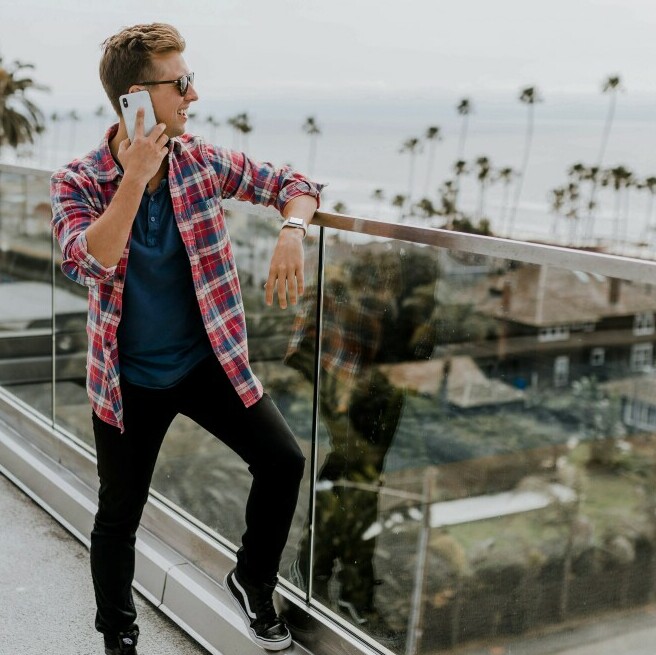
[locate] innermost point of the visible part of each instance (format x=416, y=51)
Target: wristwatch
x=293, y=221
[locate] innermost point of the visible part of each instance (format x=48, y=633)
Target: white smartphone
x=129, y=105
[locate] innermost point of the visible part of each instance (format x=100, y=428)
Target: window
x=643, y=323
x=554, y=333
x=597, y=357
x=642, y=356
x=561, y=371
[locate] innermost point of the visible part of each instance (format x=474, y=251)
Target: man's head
x=129, y=57
x=148, y=53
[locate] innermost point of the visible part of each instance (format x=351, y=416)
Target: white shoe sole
x=267, y=644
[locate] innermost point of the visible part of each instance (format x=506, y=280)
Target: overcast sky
x=343, y=49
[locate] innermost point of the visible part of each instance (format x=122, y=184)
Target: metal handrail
x=626, y=268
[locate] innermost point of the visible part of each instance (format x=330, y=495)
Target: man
x=141, y=225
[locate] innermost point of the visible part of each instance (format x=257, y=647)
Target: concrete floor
x=46, y=597
x=47, y=605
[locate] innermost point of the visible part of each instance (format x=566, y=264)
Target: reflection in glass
x=25, y=289
x=72, y=410
x=515, y=487
x=363, y=326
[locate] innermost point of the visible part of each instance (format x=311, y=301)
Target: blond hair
x=127, y=57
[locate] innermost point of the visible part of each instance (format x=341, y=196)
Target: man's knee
x=288, y=464
x=296, y=465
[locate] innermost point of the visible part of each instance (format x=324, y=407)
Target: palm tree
x=448, y=207
x=426, y=208
x=630, y=182
x=311, y=128
x=214, y=124
x=505, y=175
x=399, y=201
x=412, y=147
x=611, y=85
x=528, y=96
x=577, y=174
x=459, y=169
x=100, y=114
x=377, y=196
x=556, y=204
x=432, y=135
x=483, y=175
x=619, y=178
x=20, y=119
x=573, y=198
x=74, y=119
x=649, y=184
x=464, y=108
x=242, y=127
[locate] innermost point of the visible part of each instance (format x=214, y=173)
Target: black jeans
x=258, y=434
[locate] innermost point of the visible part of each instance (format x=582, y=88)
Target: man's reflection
x=361, y=411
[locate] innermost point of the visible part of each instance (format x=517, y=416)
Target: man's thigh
x=126, y=460
x=259, y=433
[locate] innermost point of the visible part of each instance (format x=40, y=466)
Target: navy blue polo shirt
x=161, y=336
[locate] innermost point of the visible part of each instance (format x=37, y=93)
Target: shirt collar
x=108, y=169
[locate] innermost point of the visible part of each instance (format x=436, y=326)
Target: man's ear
x=134, y=88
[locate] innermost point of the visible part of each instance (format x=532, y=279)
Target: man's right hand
x=141, y=161
x=142, y=158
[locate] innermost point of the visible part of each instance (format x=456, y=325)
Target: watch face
x=295, y=221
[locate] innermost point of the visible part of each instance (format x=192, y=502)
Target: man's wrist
x=296, y=224
x=133, y=180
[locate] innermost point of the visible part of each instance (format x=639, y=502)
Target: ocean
x=358, y=152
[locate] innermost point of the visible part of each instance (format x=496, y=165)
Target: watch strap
x=294, y=221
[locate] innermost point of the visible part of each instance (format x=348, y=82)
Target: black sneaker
x=255, y=604
x=125, y=643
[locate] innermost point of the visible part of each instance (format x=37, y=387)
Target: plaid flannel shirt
x=200, y=175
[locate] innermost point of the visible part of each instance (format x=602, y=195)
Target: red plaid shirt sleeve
x=74, y=209
x=260, y=183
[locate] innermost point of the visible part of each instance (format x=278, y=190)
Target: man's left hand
x=286, y=270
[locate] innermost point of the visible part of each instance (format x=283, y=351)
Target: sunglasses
x=182, y=83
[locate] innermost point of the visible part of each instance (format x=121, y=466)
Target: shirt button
x=152, y=219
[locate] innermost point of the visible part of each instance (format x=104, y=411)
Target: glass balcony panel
x=26, y=289
x=476, y=480
x=72, y=409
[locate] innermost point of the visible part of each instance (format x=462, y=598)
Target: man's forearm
x=107, y=236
